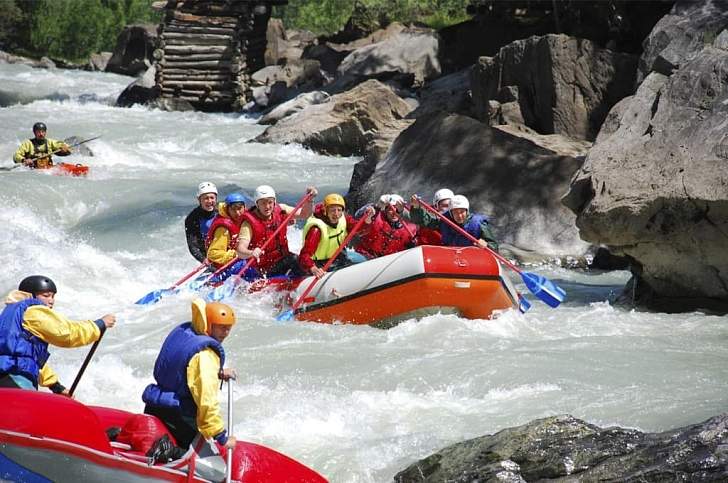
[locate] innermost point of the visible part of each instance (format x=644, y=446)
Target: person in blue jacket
x=28, y=325
x=188, y=371
x=198, y=222
x=474, y=223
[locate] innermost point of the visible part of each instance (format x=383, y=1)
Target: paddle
x=288, y=314
x=229, y=469
x=540, y=286
x=154, y=296
x=85, y=365
x=43, y=155
x=228, y=287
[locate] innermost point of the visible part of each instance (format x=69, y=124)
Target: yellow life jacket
x=41, y=162
x=331, y=236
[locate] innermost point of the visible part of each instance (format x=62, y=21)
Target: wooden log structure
x=208, y=50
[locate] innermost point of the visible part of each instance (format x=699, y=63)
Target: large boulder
x=681, y=35
x=412, y=51
x=450, y=93
x=565, y=85
x=655, y=185
x=345, y=125
x=563, y=448
x=510, y=178
x=134, y=48
x=142, y=91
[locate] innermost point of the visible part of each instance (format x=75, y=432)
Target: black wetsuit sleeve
x=195, y=243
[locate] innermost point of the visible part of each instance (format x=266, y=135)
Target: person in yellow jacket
x=36, y=153
x=188, y=371
x=28, y=325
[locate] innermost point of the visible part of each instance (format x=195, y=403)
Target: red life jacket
x=383, y=239
x=262, y=230
x=428, y=236
x=230, y=226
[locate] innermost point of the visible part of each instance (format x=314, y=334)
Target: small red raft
x=50, y=438
x=468, y=281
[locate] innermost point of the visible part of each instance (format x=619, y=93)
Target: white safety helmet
x=459, y=201
x=206, y=187
x=442, y=194
x=394, y=199
x=264, y=191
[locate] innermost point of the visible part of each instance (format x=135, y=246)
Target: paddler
x=28, y=325
x=188, y=371
x=260, y=223
x=37, y=153
x=459, y=212
x=387, y=232
x=223, y=234
x=199, y=220
x=323, y=233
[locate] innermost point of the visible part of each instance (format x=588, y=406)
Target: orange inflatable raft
x=420, y=281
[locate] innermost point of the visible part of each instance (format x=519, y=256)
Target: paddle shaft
x=229, y=469
x=43, y=155
x=85, y=365
x=470, y=237
x=283, y=225
x=189, y=275
x=329, y=262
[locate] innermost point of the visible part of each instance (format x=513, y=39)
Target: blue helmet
x=236, y=198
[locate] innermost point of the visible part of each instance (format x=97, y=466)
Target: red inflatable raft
x=423, y=280
x=50, y=438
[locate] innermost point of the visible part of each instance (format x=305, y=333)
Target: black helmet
x=39, y=126
x=36, y=284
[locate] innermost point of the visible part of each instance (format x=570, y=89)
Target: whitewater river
x=357, y=404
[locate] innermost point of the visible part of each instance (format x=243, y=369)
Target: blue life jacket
x=170, y=369
x=205, y=224
x=453, y=238
x=21, y=352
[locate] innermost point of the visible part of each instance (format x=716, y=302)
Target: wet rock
x=564, y=448
x=345, y=125
x=565, y=85
x=142, y=91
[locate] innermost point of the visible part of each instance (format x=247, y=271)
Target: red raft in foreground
x=45, y=437
x=468, y=281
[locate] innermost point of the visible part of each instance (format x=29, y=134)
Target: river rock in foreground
x=564, y=448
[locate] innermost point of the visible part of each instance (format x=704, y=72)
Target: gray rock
x=276, y=44
x=134, y=50
x=293, y=106
x=565, y=85
x=142, y=91
x=655, y=185
x=411, y=51
x=328, y=57
x=43, y=62
x=450, y=93
x=681, y=35
x=510, y=178
x=564, y=448
x=721, y=41
x=293, y=73
x=98, y=61
x=345, y=125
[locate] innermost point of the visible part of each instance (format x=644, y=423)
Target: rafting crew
x=199, y=220
x=260, y=223
x=28, y=325
x=459, y=212
x=386, y=232
x=324, y=232
x=223, y=236
x=37, y=153
x=188, y=371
